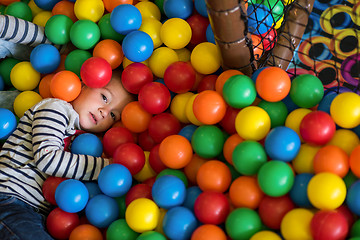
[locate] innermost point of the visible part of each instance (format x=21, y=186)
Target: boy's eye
x=113, y=116
x=104, y=98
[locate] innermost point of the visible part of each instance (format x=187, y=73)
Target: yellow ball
x=24, y=101
x=346, y=139
x=142, y=215
x=190, y=112
x=127, y=62
x=326, y=191
x=265, y=234
x=345, y=110
x=42, y=17
x=91, y=10
x=205, y=58
x=279, y=22
x=149, y=10
x=152, y=27
x=146, y=172
x=303, y=162
x=34, y=8
x=294, y=118
x=252, y=123
x=178, y=106
x=24, y=77
x=183, y=54
x=296, y=224
x=175, y=33
x=159, y=227
x=160, y=59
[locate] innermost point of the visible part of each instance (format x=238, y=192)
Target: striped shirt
x=35, y=150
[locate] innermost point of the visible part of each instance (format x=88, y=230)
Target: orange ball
x=214, y=175
x=135, y=118
x=258, y=46
x=111, y=51
x=7, y=2
x=111, y=4
x=355, y=161
x=273, y=84
x=86, y=231
x=66, y=8
x=44, y=86
x=245, y=192
x=175, y=151
x=65, y=85
x=223, y=77
x=209, y=107
x=208, y=232
x=229, y=146
x=193, y=166
x=332, y=159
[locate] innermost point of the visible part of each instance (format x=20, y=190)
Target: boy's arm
x=49, y=130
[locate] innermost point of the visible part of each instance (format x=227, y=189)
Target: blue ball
x=200, y=6
x=353, y=196
x=137, y=46
x=88, y=144
x=191, y=195
x=188, y=131
x=115, y=180
x=102, y=210
x=125, y=18
x=256, y=74
x=93, y=189
x=178, y=8
x=71, y=195
x=210, y=34
x=2, y=83
x=46, y=4
x=260, y=19
x=168, y=191
x=282, y=143
x=298, y=192
x=45, y=58
x=179, y=223
x=324, y=104
x=290, y=105
x=8, y=123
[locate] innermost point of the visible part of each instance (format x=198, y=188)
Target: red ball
x=154, y=97
x=136, y=75
x=228, y=121
x=49, y=187
x=211, y=207
x=163, y=125
x=60, y=223
x=329, y=225
x=96, y=72
x=273, y=209
x=180, y=77
x=269, y=39
x=114, y=137
x=141, y=190
x=154, y=160
x=145, y=141
x=131, y=156
x=198, y=25
x=317, y=128
x=207, y=83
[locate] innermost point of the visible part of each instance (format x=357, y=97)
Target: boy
x=35, y=151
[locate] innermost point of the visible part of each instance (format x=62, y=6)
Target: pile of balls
x=203, y=153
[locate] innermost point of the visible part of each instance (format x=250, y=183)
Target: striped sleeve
x=49, y=129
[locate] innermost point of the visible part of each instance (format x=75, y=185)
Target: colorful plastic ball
x=135, y=118
x=161, y=58
x=239, y=91
x=303, y=162
x=88, y=144
x=6, y=65
x=306, y=90
x=207, y=83
x=190, y=197
x=189, y=112
x=259, y=18
x=209, y=107
x=65, y=85
x=206, y=58
x=142, y=215
x=41, y=18
x=44, y=86
x=258, y=47
x=346, y=139
x=60, y=223
x=198, y=26
x=111, y=51
x=191, y=169
x=20, y=10
x=96, y=72
x=180, y=77
x=111, y=4
x=140, y=190
x=175, y=151
x=277, y=111
x=49, y=187
x=71, y=195
x=175, y=33
x=90, y=10
x=210, y=34
x=188, y=131
x=75, y=59
x=293, y=120
x=178, y=106
x=107, y=31
x=179, y=223
x=298, y=192
x=64, y=8
x=125, y=18
x=208, y=141
x=228, y=121
x=326, y=191
x=329, y=224
x=276, y=178
x=352, y=196
x=178, y=8
x=136, y=75
x=269, y=39
x=317, y=128
x=214, y=175
x=252, y=123
x=296, y=224
x=152, y=27
x=354, y=161
x=168, y=191
x=265, y=234
x=345, y=109
x=209, y=232
x=24, y=101
x=154, y=97
x=137, y=46
x=24, y=76
x=115, y=180
x=119, y=229
x=85, y=231
x=146, y=173
x=8, y=123
x=102, y=210
x=242, y=223
x=93, y=188
x=163, y=125
x=131, y=156
x=84, y=34
x=211, y=207
x=57, y=29
x=148, y=10
x=175, y=172
x=154, y=159
x=46, y=4
x=332, y=159
x=114, y=137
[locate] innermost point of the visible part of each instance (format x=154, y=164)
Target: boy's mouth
x=93, y=118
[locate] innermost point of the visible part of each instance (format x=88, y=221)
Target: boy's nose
x=103, y=112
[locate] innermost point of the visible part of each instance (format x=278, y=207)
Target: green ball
x=174, y=172
x=75, y=59
x=276, y=7
x=122, y=205
x=160, y=4
x=275, y=178
x=355, y=229
x=306, y=90
x=208, y=141
x=248, y=156
x=57, y=29
x=2, y=9
x=84, y=34
x=6, y=66
x=277, y=111
x=19, y=10
x=107, y=31
x=242, y=224
x=239, y=91
x=349, y=179
x=234, y=173
x=151, y=235
x=119, y=229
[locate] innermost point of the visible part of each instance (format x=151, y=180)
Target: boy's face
x=99, y=108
